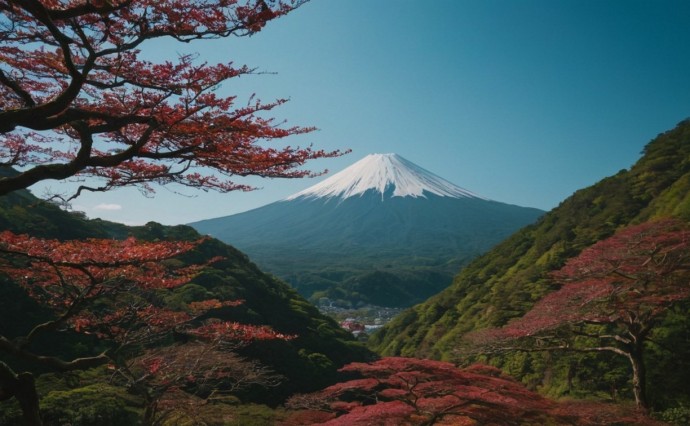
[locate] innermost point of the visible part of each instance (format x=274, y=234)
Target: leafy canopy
x=409, y=391
x=78, y=97
x=612, y=296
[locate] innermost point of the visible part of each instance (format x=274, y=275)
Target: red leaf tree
x=407, y=391
x=396, y=391
x=108, y=288
x=78, y=98
x=611, y=297
x=175, y=381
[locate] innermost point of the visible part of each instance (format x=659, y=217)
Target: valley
x=139, y=286
x=384, y=231
x=341, y=330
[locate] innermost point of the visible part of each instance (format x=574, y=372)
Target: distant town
x=362, y=321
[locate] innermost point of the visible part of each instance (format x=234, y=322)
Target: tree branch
x=17, y=89
x=51, y=362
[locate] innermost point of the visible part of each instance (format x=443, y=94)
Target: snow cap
x=381, y=173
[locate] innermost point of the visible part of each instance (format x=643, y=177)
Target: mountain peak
x=382, y=173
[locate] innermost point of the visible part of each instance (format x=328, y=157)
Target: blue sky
x=523, y=102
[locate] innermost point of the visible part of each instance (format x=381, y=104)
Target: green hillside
x=505, y=282
x=369, y=249
x=308, y=362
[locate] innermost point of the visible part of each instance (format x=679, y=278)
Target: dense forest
x=372, y=248
x=303, y=364
x=505, y=283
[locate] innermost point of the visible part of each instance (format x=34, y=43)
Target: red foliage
x=70, y=276
x=627, y=280
x=623, y=284
x=112, y=289
x=59, y=272
x=79, y=99
x=407, y=391
x=399, y=391
x=198, y=363
x=232, y=331
x=200, y=368
x=307, y=417
x=76, y=68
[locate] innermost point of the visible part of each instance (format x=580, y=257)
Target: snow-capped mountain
x=396, y=235
x=380, y=172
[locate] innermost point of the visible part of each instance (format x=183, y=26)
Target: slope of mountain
x=382, y=215
x=505, y=282
x=309, y=361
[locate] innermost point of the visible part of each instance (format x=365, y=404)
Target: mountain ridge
x=317, y=234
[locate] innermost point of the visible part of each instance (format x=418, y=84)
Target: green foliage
x=10, y=414
x=394, y=287
x=319, y=362
x=668, y=374
x=677, y=416
x=93, y=405
x=267, y=301
x=78, y=399
x=254, y=415
x=505, y=282
x=363, y=251
x=20, y=212
x=182, y=296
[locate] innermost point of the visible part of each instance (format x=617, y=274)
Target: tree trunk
x=23, y=387
x=152, y=416
x=639, y=381
x=28, y=399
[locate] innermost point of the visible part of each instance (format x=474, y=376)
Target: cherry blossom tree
x=611, y=297
x=78, y=98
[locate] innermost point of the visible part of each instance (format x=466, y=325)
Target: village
x=361, y=321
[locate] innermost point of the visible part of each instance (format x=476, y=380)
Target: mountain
x=505, y=282
x=308, y=362
x=382, y=231
x=381, y=172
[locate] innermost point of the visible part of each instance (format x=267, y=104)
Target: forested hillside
x=506, y=282
x=383, y=231
x=305, y=363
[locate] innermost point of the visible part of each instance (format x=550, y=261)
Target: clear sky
x=523, y=102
